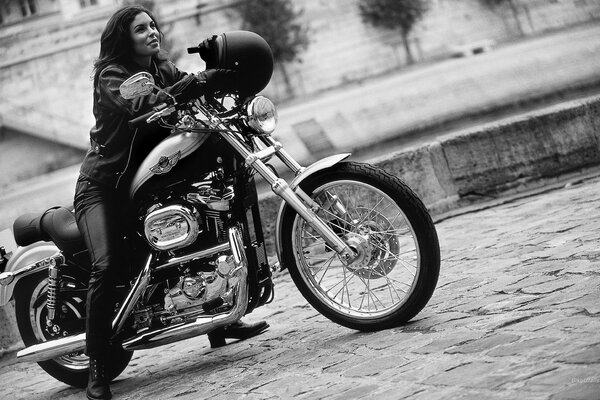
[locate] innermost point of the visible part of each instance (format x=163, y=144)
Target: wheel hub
x=371, y=247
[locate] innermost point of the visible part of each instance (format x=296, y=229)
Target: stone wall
x=45, y=68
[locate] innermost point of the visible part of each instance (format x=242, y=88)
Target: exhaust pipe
x=75, y=344
x=52, y=349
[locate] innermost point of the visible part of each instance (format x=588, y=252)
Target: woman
x=129, y=44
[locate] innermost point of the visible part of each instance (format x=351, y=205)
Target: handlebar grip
x=142, y=118
x=193, y=50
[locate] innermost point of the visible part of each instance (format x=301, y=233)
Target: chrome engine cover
x=172, y=227
x=194, y=290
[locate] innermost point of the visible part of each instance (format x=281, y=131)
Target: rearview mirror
x=140, y=84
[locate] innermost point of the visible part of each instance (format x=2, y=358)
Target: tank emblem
x=165, y=163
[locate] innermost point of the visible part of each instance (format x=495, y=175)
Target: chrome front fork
x=296, y=198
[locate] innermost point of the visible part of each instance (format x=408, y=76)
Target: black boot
x=238, y=330
x=98, y=388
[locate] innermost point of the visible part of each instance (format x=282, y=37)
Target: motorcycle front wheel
x=31, y=314
x=386, y=224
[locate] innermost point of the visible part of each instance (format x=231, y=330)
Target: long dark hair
x=115, y=42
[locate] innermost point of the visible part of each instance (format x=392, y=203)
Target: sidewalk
x=516, y=314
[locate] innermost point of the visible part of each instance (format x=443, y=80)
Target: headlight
x=262, y=115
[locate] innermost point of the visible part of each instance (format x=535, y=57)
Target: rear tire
x=399, y=258
x=31, y=312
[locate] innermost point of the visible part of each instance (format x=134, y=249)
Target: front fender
x=320, y=165
x=21, y=258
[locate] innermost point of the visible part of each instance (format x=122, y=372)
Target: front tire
x=31, y=313
x=397, y=268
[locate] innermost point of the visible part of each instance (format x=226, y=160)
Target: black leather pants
x=99, y=211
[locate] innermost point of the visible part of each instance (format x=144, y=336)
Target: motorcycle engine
x=193, y=290
x=178, y=225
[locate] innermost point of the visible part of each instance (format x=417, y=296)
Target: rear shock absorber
x=52, y=294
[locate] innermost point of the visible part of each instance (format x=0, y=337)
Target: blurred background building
x=47, y=48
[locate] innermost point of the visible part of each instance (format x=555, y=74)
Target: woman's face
x=144, y=36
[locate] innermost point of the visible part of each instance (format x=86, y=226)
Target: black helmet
x=242, y=51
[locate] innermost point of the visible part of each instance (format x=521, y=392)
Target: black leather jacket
x=116, y=149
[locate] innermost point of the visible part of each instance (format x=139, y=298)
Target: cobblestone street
x=516, y=314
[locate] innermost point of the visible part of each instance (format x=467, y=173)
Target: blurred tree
x=167, y=42
x=496, y=5
x=277, y=22
x=399, y=15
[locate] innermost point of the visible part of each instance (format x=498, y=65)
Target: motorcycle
x=358, y=242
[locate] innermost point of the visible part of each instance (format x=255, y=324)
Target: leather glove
x=218, y=80
x=208, y=51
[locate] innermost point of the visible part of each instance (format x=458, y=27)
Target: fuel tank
x=165, y=156
x=182, y=156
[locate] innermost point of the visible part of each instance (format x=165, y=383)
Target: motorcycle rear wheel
x=31, y=312
x=397, y=269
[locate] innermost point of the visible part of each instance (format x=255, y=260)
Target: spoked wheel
x=32, y=315
x=388, y=227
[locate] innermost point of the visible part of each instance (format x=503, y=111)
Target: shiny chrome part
x=140, y=84
x=52, y=294
x=133, y=297
x=263, y=154
x=208, y=197
x=193, y=287
x=23, y=257
x=237, y=248
x=320, y=165
x=261, y=115
x=345, y=253
x=171, y=227
x=384, y=273
x=225, y=265
x=283, y=155
x=188, y=292
x=53, y=348
x=7, y=278
x=175, y=261
x=204, y=324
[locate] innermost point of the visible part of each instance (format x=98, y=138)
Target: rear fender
x=23, y=263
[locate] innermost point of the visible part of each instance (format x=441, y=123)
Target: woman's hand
x=216, y=80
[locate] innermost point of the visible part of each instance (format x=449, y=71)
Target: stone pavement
x=516, y=314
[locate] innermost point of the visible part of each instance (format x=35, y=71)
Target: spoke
x=397, y=288
x=371, y=295
x=326, y=265
x=372, y=209
x=325, y=272
x=314, y=258
x=395, y=232
x=342, y=281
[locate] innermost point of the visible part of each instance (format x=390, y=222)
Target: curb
x=504, y=156
x=501, y=156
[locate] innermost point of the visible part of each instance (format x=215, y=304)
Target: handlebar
x=143, y=118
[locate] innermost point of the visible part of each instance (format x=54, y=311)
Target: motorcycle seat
x=56, y=224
